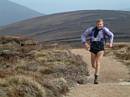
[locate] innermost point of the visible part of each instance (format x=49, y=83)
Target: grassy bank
x=28, y=69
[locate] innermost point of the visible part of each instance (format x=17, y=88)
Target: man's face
x=100, y=25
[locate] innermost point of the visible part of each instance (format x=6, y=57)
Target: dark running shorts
x=96, y=46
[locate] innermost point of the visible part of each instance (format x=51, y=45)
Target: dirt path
x=113, y=77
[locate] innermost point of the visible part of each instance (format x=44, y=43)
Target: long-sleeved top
x=89, y=33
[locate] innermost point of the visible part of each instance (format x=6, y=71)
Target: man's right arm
x=84, y=36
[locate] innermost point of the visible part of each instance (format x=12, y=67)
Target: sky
x=57, y=6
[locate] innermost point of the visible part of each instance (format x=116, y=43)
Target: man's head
x=100, y=23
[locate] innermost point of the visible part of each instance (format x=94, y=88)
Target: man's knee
x=94, y=65
x=97, y=64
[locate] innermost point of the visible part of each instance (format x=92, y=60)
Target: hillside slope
x=12, y=12
x=70, y=25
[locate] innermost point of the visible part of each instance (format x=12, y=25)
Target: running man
x=97, y=36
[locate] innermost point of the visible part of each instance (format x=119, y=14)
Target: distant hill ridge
x=12, y=12
x=68, y=26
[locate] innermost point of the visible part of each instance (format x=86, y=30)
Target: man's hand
x=86, y=46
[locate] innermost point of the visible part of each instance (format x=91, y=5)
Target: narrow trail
x=113, y=78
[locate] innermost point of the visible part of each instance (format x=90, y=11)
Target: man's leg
x=98, y=63
x=93, y=60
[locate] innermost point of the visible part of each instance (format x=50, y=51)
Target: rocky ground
x=114, y=74
x=30, y=69
x=121, y=51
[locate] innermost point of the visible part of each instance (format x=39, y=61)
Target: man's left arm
x=110, y=35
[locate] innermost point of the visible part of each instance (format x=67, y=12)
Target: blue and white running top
x=102, y=34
